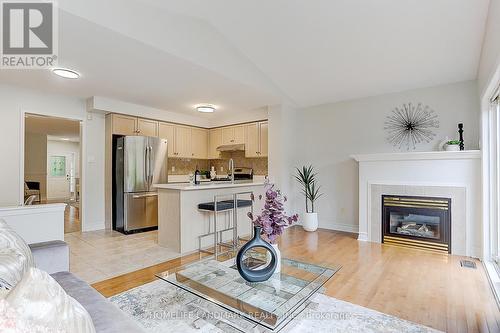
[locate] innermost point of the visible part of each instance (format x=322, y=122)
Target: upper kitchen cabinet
x=256, y=139
x=233, y=135
x=123, y=125
x=264, y=138
x=183, y=142
x=199, y=143
x=167, y=131
x=214, y=141
x=146, y=127
x=127, y=125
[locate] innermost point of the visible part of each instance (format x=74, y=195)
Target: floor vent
x=468, y=264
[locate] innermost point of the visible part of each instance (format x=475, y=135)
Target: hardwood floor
x=72, y=219
x=426, y=288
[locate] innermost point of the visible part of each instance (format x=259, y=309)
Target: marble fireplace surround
x=454, y=175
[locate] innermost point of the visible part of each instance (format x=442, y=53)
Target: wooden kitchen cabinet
x=124, y=125
x=183, y=142
x=146, y=127
x=264, y=138
x=199, y=143
x=167, y=131
x=214, y=141
x=256, y=141
x=252, y=146
x=233, y=135
x=128, y=125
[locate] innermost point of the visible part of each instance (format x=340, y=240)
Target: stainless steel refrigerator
x=139, y=162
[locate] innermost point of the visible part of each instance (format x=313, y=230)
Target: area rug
x=161, y=307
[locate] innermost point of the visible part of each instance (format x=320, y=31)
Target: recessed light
x=66, y=73
x=205, y=108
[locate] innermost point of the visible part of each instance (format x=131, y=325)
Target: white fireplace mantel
x=411, y=156
x=425, y=173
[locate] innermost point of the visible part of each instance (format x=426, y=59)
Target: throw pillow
x=11, y=322
x=38, y=298
x=13, y=265
x=9, y=239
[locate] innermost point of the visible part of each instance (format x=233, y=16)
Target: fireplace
x=417, y=222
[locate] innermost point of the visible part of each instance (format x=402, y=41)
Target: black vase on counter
x=260, y=274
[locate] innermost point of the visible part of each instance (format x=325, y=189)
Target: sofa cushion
x=13, y=265
x=13, y=322
x=106, y=316
x=38, y=298
x=51, y=257
x=9, y=239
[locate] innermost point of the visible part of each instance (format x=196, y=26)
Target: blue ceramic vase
x=261, y=274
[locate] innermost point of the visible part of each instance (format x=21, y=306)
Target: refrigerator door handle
x=150, y=167
x=146, y=166
x=139, y=196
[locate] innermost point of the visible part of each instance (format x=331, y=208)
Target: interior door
x=60, y=167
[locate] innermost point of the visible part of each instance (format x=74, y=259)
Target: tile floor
x=103, y=254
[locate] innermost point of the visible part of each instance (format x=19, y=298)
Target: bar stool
x=216, y=207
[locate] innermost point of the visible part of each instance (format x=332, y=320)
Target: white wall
x=14, y=100
x=326, y=135
x=490, y=55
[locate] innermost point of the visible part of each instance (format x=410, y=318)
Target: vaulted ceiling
x=242, y=55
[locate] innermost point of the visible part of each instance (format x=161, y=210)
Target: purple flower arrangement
x=273, y=218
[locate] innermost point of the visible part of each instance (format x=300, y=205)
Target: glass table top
x=270, y=303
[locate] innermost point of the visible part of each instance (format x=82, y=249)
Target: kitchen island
x=180, y=222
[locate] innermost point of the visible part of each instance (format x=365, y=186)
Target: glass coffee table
x=271, y=304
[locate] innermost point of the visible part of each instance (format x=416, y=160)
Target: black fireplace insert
x=417, y=222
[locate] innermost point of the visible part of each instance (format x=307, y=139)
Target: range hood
x=232, y=147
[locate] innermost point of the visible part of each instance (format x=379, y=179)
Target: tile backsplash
x=186, y=166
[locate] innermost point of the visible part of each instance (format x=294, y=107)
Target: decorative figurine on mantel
x=461, y=133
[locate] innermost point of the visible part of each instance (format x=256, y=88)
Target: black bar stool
x=216, y=207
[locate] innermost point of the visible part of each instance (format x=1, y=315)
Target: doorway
x=52, y=165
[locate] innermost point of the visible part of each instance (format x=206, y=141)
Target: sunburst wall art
x=410, y=124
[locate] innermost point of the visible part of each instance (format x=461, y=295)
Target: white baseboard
x=363, y=236
x=340, y=227
x=92, y=226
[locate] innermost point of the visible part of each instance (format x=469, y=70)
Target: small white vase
x=310, y=222
x=278, y=258
x=452, y=147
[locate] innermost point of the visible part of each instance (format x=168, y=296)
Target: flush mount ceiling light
x=66, y=73
x=206, y=108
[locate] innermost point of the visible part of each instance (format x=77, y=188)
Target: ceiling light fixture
x=66, y=73
x=205, y=108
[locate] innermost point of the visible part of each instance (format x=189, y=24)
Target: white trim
x=83, y=155
x=411, y=156
x=493, y=279
x=363, y=237
x=342, y=227
x=28, y=210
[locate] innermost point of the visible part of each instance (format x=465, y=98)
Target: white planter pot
x=310, y=222
x=452, y=147
x=278, y=258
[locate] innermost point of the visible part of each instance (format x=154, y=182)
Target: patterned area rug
x=161, y=307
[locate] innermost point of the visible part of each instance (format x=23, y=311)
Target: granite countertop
x=206, y=186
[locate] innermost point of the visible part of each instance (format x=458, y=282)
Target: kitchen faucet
x=231, y=169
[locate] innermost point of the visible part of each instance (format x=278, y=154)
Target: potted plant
x=452, y=145
x=307, y=178
x=273, y=219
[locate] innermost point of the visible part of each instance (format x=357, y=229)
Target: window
x=494, y=176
